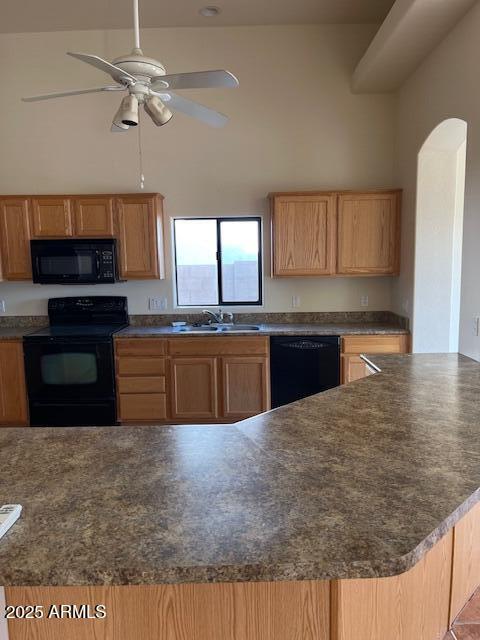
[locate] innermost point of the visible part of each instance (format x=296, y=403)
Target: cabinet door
x=51, y=218
x=369, y=233
x=303, y=237
x=13, y=394
x=354, y=368
x=194, y=389
x=245, y=386
x=140, y=236
x=15, y=239
x=93, y=217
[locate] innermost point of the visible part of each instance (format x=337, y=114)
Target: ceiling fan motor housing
x=139, y=65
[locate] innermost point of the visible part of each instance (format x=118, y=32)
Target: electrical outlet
x=157, y=304
x=3, y=306
x=476, y=326
x=295, y=302
x=364, y=301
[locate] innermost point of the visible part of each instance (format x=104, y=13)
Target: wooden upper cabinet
x=13, y=393
x=94, y=217
x=51, y=217
x=15, y=239
x=140, y=236
x=369, y=233
x=303, y=234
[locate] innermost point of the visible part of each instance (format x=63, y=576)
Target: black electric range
x=70, y=366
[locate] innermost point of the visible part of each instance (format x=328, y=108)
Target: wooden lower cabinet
x=415, y=605
x=234, y=611
x=353, y=366
x=189, y=380
x=13, y=393
x=466, y=560
x=245, y=386
x=411, y=606
x=194, y=389
x=143, y=406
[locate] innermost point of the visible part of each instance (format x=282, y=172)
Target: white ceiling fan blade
x=196, y=80
x=119, y=128
x=75, y=92
x=194, y=109
x=115, y=72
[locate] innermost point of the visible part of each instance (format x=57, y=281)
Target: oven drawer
x=142, y=406
x=141, y=384
x=131, y=366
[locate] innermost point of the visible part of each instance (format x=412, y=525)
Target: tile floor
x=467, y=625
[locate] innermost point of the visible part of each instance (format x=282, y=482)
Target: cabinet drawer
x=130, y=366
x=140, y=347
x=144, y=384
x=375, y=344
x=217, y=346
x=143, y=406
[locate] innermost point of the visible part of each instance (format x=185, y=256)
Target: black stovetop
x=74, y=331
x=83, y=317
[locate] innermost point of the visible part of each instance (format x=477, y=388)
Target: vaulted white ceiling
x=412, y=29
x=56, y=15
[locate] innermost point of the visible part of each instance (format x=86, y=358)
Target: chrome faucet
x=218, y=318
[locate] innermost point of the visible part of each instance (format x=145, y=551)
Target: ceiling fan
x=147, y=84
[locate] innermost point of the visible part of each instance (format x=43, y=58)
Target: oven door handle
x=88, y=341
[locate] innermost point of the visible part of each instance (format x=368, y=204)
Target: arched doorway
x=438, y=238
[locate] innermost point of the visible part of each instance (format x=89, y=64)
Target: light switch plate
x=295, y=302
x=157, y=304
x=476, y=326
x=3, y=306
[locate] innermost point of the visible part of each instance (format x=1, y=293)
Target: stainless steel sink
x=219, y=328
x=189, y=329
x=240, y=327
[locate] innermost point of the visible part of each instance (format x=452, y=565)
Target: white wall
x=294, y=125
x=445, y=86
x=438, y=239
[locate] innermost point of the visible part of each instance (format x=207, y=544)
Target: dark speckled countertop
x=15, y=333
x=358, y=481
x=308, y=329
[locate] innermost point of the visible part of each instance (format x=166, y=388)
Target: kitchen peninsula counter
x=359, y=481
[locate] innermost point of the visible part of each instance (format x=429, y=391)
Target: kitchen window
x=218, y=261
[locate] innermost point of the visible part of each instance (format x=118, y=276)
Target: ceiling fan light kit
x=157, y=110
x=128, y=112
x=148, y=85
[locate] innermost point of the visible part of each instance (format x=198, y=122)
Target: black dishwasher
x=301, y=366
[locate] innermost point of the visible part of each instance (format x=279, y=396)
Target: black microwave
x=85, y=261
